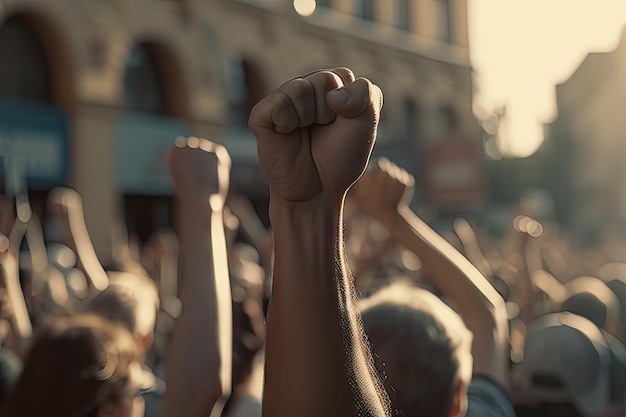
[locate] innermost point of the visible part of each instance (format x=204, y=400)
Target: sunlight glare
x=304, y=7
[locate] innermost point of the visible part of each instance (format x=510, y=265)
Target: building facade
x=587, y=146
x=92, y=92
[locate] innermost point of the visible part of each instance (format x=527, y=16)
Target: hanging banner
x=453, y=174
x=33, y=137
x=143, y=141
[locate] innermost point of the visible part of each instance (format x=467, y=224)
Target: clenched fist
x=315, y=134
x=200, y=168
x=383, y=189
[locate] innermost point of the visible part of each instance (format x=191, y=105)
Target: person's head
x=79, y=367
x=567, y=369
x=618, y=286
x=424, y=350
x=589, y=297
x=132, y=301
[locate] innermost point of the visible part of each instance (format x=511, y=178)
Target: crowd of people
x=349, y=305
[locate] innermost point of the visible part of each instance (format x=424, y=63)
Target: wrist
x=323, y=204
x=311, y=223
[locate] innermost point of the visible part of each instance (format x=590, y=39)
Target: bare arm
x=535, y=281
x=259, y=236
x=66, y=206
x=381, y=193
x=9, y=266
x=199, y=356
x=473, y=252
x=312, y=148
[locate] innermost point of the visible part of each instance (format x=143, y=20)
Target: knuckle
x=325, y=80
x=296, y=88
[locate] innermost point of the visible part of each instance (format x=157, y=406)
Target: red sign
x=453, y=174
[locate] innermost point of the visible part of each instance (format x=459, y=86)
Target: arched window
x=411, y=121
x=403, y=14
x=444, y=20
x=24, y=67
x=448, y=120
x=367, y=9
x=143, y=81
x=245, y=88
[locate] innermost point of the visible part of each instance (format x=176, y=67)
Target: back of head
x=618, y=286
x=131, y=300
x=74, y=366
x=116, y=304
x=567, y=365
x=589, y=297
x=424, y=348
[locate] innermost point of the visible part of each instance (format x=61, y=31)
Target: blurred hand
x=527, y=226
x=382, y=189
x=200, y=168
x=315, y=134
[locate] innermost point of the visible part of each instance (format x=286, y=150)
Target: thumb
x=355, y=98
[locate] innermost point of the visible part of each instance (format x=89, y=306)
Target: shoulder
x=486, y=397
x=248, y=406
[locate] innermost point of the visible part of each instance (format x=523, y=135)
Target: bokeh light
x=304, y=7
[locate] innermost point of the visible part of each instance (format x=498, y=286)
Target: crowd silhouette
x=350, y=305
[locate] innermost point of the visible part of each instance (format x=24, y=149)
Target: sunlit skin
x=314, y=137
x=199, y=354
x=481, y=307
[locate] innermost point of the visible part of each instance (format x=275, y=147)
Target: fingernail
x=340, y=97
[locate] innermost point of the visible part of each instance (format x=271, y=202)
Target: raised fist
x=200, y=168
x=315, y=133
x=382, y=189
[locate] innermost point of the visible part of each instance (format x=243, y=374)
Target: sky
x=520, y=51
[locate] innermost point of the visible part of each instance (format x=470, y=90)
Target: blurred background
x=93, y=92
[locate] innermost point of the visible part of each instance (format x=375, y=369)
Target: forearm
x=86, y=254
x=473, y=252
x=199, y=358
x=480, y=306
x=20, y=318
x=314, y=347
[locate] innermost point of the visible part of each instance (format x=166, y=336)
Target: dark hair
x=422, y=349
x=75, y=365
x=589, y=306
x=115, y=304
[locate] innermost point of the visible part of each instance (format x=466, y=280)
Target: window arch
x=24, y=66
x=448, y=119
x=246, y=86
x=367, y=9
x=445, y=23
x=403, y=14
x=410, y=114
x=144, y=81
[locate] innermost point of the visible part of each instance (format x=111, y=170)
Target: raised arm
x=536, y=283
x=199, y=355
x=315, y=136
x=383, y=192
x=473, y=251
x=259, y=236
x=9, y=272
x=65, y=206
